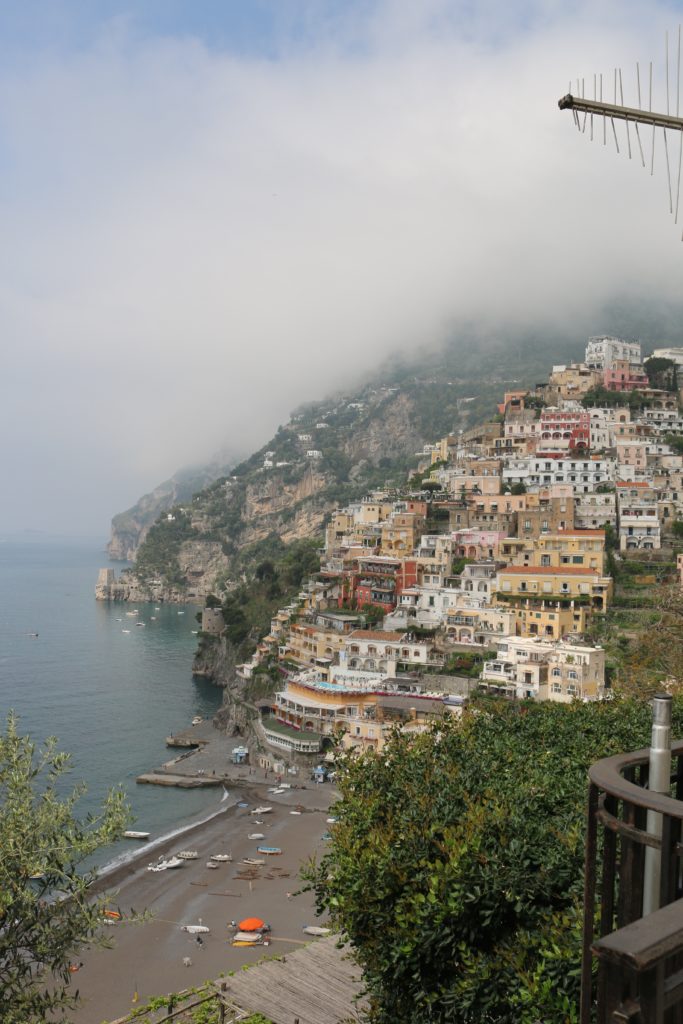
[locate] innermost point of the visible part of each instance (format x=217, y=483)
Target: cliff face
x=329, y=453
x=129, y=528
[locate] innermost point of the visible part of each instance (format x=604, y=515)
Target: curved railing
x=638, y=958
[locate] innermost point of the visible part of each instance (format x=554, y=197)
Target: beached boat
x=262, y=810
x=222, y=858
x=314, y=929
x=332, y=821
x=212, y=864
x=188, y=855
x=197, y=720
x=271, y=851
x=164, y=865
x=278, y=792
x=195, y=929
x=256, y=835
x=132, y=834
x=295, y=812
x=247, y=939
x=253, y=861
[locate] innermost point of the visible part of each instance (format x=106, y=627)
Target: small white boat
x=295, y=812
x=181, y=613
x=131, y=614
x=247, y=939
x=152, y=618
x=132, y=834
x=195, y=929
x=188, y=855
x=278, y=792
x=197, y=720
x=262, y=810
x=164, y=865
x=139, y=623
x=157, y=609
x=119, y=620
x=314, y=929
x=222, y=858
x=256, y=835
x=125, y=631
x=258, y=821
x=253, y=861
x=332, y=821
x=194, y=632
x=212, y=864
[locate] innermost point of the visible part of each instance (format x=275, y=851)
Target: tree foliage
x=46, y=910
x=456, y=865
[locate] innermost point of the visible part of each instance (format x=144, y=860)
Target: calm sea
x=111, y=697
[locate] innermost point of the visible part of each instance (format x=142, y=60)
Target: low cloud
x=195, y=241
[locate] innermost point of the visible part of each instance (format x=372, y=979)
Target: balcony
x=639, y=958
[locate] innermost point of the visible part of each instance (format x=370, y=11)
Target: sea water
x=109, y=696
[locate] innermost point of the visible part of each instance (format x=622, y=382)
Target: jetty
x=181, y=781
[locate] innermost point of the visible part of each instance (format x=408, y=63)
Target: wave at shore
x=121, y=866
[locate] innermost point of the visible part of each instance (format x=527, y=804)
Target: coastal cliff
x=329, y=453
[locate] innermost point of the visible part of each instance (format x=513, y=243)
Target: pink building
x=563, y=431
x=477, y=544
x=625, y=376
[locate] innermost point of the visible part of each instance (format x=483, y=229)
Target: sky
x=213, y=211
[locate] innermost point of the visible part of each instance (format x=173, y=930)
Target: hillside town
x=490, y=570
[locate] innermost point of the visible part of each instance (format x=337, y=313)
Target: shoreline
x=148, y=958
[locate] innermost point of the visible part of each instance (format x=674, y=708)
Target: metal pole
x=612, y=110
x=659, y=782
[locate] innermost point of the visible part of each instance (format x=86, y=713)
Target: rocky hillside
x=129, y=528
x=328, y=454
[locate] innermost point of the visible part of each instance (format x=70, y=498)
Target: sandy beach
x=148, y=957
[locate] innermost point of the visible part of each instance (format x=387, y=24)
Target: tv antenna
x=617, y=113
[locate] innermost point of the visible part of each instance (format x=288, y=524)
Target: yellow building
x=545, y=583
x=584, y=548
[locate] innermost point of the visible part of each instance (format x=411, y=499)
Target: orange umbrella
x=251, y=924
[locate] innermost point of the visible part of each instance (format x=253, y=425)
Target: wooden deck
x=315, y=985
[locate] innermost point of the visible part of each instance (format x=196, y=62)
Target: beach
x=148, y=957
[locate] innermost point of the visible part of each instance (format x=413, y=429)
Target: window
x=577, y=559
x=545, y=559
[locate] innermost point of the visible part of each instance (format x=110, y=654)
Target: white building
x=595, y=511
x=557, y=670
x=674, y=354
x=583, y=474
x=603, y=351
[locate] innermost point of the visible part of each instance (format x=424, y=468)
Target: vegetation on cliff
x=42, y=847
x=456, y=864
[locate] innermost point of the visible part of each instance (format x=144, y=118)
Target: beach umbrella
x=251, y=924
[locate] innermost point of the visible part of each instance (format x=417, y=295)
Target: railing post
x=660, y=782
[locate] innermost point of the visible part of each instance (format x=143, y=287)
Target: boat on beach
x=197, y=720
x=132, y=834
x=262, y=810
x=188, y=855
x=270, y=851
x=247, y=939
x=314, y=929
x=253, y=861
x=212, y=864
x=256, y=835
x=164, y=864
x=222, y=858
x=195, y=929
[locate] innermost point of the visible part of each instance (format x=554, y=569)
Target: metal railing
x=639, y=958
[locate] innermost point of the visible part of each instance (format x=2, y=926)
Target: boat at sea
x=197, y=720
x=132, y=834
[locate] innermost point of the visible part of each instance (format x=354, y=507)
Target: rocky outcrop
x=127, y=587
x=129, y=528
